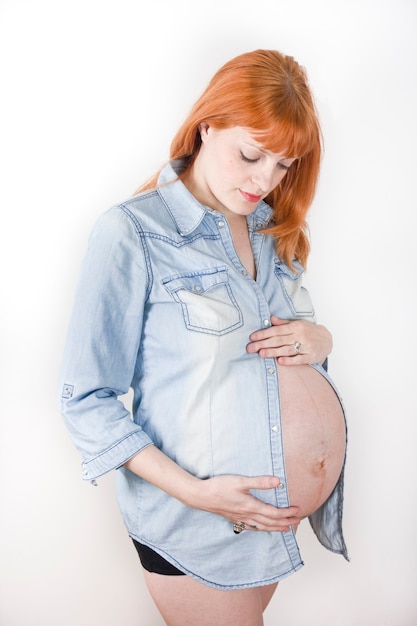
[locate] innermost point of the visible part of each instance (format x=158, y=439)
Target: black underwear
x=154, y=562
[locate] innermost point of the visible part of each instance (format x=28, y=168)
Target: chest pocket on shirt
x=207, y=301
x=297, y=296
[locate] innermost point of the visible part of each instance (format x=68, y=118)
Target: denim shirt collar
x=188, y=213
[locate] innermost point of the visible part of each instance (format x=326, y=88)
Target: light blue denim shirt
x=165, y=306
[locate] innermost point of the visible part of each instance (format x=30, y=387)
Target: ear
x=203, y=128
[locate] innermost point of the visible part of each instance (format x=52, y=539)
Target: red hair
x=267, y=93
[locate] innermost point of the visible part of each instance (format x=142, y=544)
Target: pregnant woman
x=191, y=294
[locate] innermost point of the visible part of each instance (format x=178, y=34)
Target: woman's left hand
x=294, y=342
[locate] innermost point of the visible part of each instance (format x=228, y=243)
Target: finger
x=271, y=332
x=276, y=520
x=275, y=344
x=278, y=327
x=248, y=525
x=277, y=321
x=260, y=482
x=263, y=512
x=267, y=525
x=281, y=351
x=260, y=523
x=300, y=359
x=267, y=344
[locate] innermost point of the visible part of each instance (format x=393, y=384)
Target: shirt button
x=221, y=223
x=266, y=322
x=244, y=272
x=275, y=428
x=271, y=370
x=197, y=288
x=281, y=486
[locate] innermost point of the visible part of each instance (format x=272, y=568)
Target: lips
x=250, y=197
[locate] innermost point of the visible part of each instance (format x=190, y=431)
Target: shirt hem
x=212, y=583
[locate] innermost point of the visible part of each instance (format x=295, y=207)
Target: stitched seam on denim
x=114, y=445
x=140, y=233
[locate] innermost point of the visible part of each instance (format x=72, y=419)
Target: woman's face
x=233, y=172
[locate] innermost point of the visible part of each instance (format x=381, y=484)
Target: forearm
x=155, y=467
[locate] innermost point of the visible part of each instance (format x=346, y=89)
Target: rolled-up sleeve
x=103, y=343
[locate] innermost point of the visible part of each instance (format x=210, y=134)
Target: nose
x=268, y=177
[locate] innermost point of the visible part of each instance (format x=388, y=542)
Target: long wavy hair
x=267, y=93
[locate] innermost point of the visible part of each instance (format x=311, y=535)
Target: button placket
x=275, y=432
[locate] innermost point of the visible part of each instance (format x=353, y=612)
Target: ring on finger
x=238, y=527
x=297, y=347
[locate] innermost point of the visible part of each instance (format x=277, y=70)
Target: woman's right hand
x=230, y=497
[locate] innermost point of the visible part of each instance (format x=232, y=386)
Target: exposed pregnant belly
x=314, y=435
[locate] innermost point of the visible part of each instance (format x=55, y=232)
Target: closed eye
x=284, y=167
x=246, y=159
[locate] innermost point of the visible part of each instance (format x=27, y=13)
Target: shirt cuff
x=116, y=456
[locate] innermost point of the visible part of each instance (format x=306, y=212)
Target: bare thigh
x=183, y=601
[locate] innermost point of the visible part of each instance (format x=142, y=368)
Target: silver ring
x=297, y=347
x=238, y=527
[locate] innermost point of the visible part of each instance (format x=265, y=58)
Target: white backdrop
x=91, y=93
